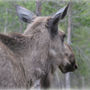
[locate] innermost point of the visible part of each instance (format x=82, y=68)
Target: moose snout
x=70, y=67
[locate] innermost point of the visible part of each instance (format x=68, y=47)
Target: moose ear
x=24, y=14
x=7, y=40
x=14, y=41
x=60, y=14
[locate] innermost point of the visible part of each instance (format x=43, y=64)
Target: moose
x=31, y=56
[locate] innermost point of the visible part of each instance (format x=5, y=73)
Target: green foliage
x=81, y=36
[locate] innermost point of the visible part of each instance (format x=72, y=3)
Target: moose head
x=69, y=58
x=47, y=28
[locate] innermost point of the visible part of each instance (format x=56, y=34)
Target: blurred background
x=77, y=28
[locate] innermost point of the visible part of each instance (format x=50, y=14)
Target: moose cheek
x=52, y=53
x=62, y=69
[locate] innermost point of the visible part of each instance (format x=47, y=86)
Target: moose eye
x=62, y=37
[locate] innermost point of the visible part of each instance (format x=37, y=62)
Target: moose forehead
x=41, y=19
x=38, y=21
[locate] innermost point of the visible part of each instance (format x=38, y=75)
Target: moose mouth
x=69, y=68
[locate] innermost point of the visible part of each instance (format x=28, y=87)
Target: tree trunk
x=83, y=82
x=69, y=26
x=21, y=26
x=5, y=27
x=38, y=7
x=69, y=42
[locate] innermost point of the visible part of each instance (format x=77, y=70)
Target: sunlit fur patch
x=52, y=52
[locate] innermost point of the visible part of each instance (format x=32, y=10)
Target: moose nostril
x=76, y=67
